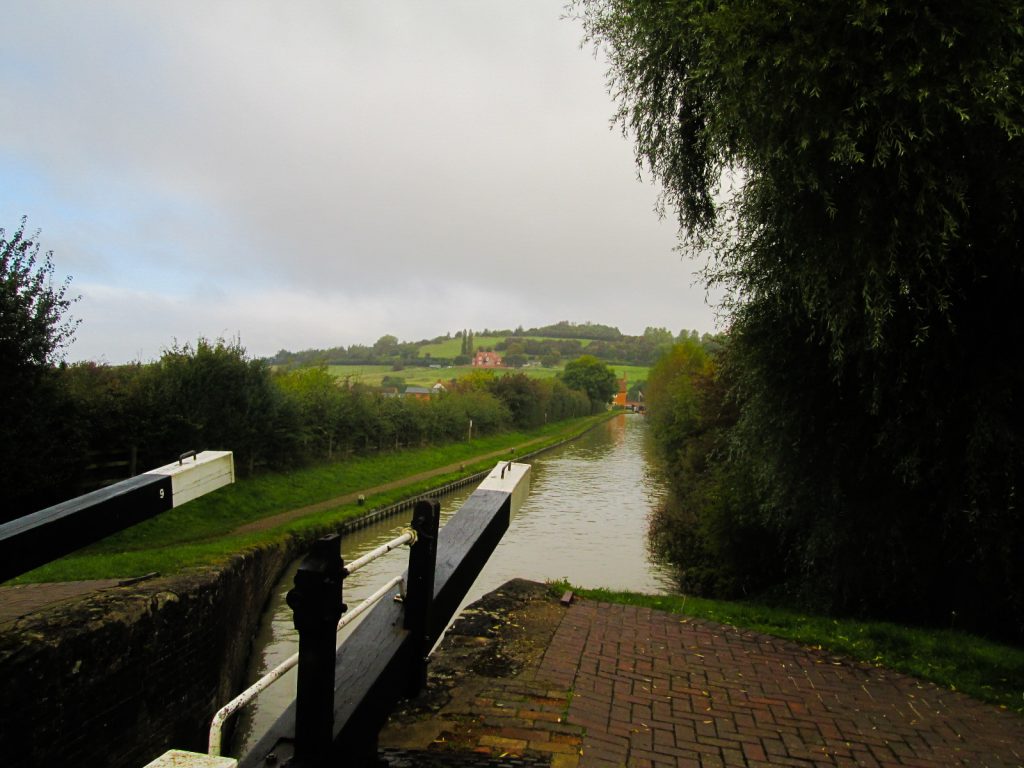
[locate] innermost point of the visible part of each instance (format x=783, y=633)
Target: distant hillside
x=549, y=345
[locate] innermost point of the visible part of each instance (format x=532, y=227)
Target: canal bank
x=599, y=685
x=113, y=674
x=585, y=520
x=114, y=677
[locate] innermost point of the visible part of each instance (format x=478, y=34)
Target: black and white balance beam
x=38, y=538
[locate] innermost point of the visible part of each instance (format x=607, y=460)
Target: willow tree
x=855, y=171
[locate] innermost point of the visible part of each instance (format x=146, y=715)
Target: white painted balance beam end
x=197, y=475
x=509, y=477
x=177, y=758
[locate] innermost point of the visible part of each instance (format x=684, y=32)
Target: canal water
x=585, y=521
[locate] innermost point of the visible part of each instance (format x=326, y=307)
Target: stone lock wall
x=118, y=677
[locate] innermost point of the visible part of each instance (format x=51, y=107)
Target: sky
x=311, y=174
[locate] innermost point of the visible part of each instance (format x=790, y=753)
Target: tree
x=386, y=346
x=212, y=396
x=524, y=397
x=38, y=439
x=636, y=390
x=658, y=337
x=319, y=404
x=856, y=170
x=592, y=377
x=34, y=329
x=672, y=395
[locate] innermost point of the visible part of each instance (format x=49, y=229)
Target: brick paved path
x=654, y=689
x=597, y=685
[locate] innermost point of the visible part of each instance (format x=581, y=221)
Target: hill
x=546, y=346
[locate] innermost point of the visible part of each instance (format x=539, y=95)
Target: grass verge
x=204, y=531
x=956, y=660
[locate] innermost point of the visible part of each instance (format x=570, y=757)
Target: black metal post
x=317, y=604
x=419, y=591
x=374, y=670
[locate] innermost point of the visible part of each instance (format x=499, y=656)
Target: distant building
x=620, y=397
x=439, y=388
x=487, y=360
x=420, y=393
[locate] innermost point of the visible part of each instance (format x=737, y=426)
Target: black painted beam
x=41, y=537
x=377, y=657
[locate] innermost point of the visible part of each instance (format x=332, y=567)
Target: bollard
x=419, y=590
x=316, y=602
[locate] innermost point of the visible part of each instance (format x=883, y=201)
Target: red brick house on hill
x=487, y=360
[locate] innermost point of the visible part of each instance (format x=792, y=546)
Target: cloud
x=316, y=156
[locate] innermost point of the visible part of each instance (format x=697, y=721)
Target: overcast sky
x=313, y=174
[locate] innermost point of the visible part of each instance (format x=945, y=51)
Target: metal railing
x=215, y=745
x=345, y=692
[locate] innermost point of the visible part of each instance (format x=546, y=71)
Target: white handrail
x=250, y=693
x=407, y=537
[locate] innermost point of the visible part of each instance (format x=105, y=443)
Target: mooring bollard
x=317, y=604
x=419, y=591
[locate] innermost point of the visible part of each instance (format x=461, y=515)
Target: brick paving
x=597, y=685
x=657, y=689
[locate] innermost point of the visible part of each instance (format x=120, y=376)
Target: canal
x=585, y=520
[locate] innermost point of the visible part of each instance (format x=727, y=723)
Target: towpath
x=596, y=685
x=273, y=521
x=21, y=600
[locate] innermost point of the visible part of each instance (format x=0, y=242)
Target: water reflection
x=585, y=520
x=587, y=516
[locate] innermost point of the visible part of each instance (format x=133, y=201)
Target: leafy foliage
x=566, y=330
x=34, y=329
x=37, y=440
x=706, y=525
x=588, y=374
x=856, y=170
x=212, y=395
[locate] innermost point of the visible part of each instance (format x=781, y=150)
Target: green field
x=372, y=375
x=452, y=347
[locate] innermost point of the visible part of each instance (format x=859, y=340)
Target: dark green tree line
x=856, y=171
x=38, y=441
x=213, y=395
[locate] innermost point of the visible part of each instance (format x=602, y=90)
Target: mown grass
x=981, y=668
x=204, y=531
